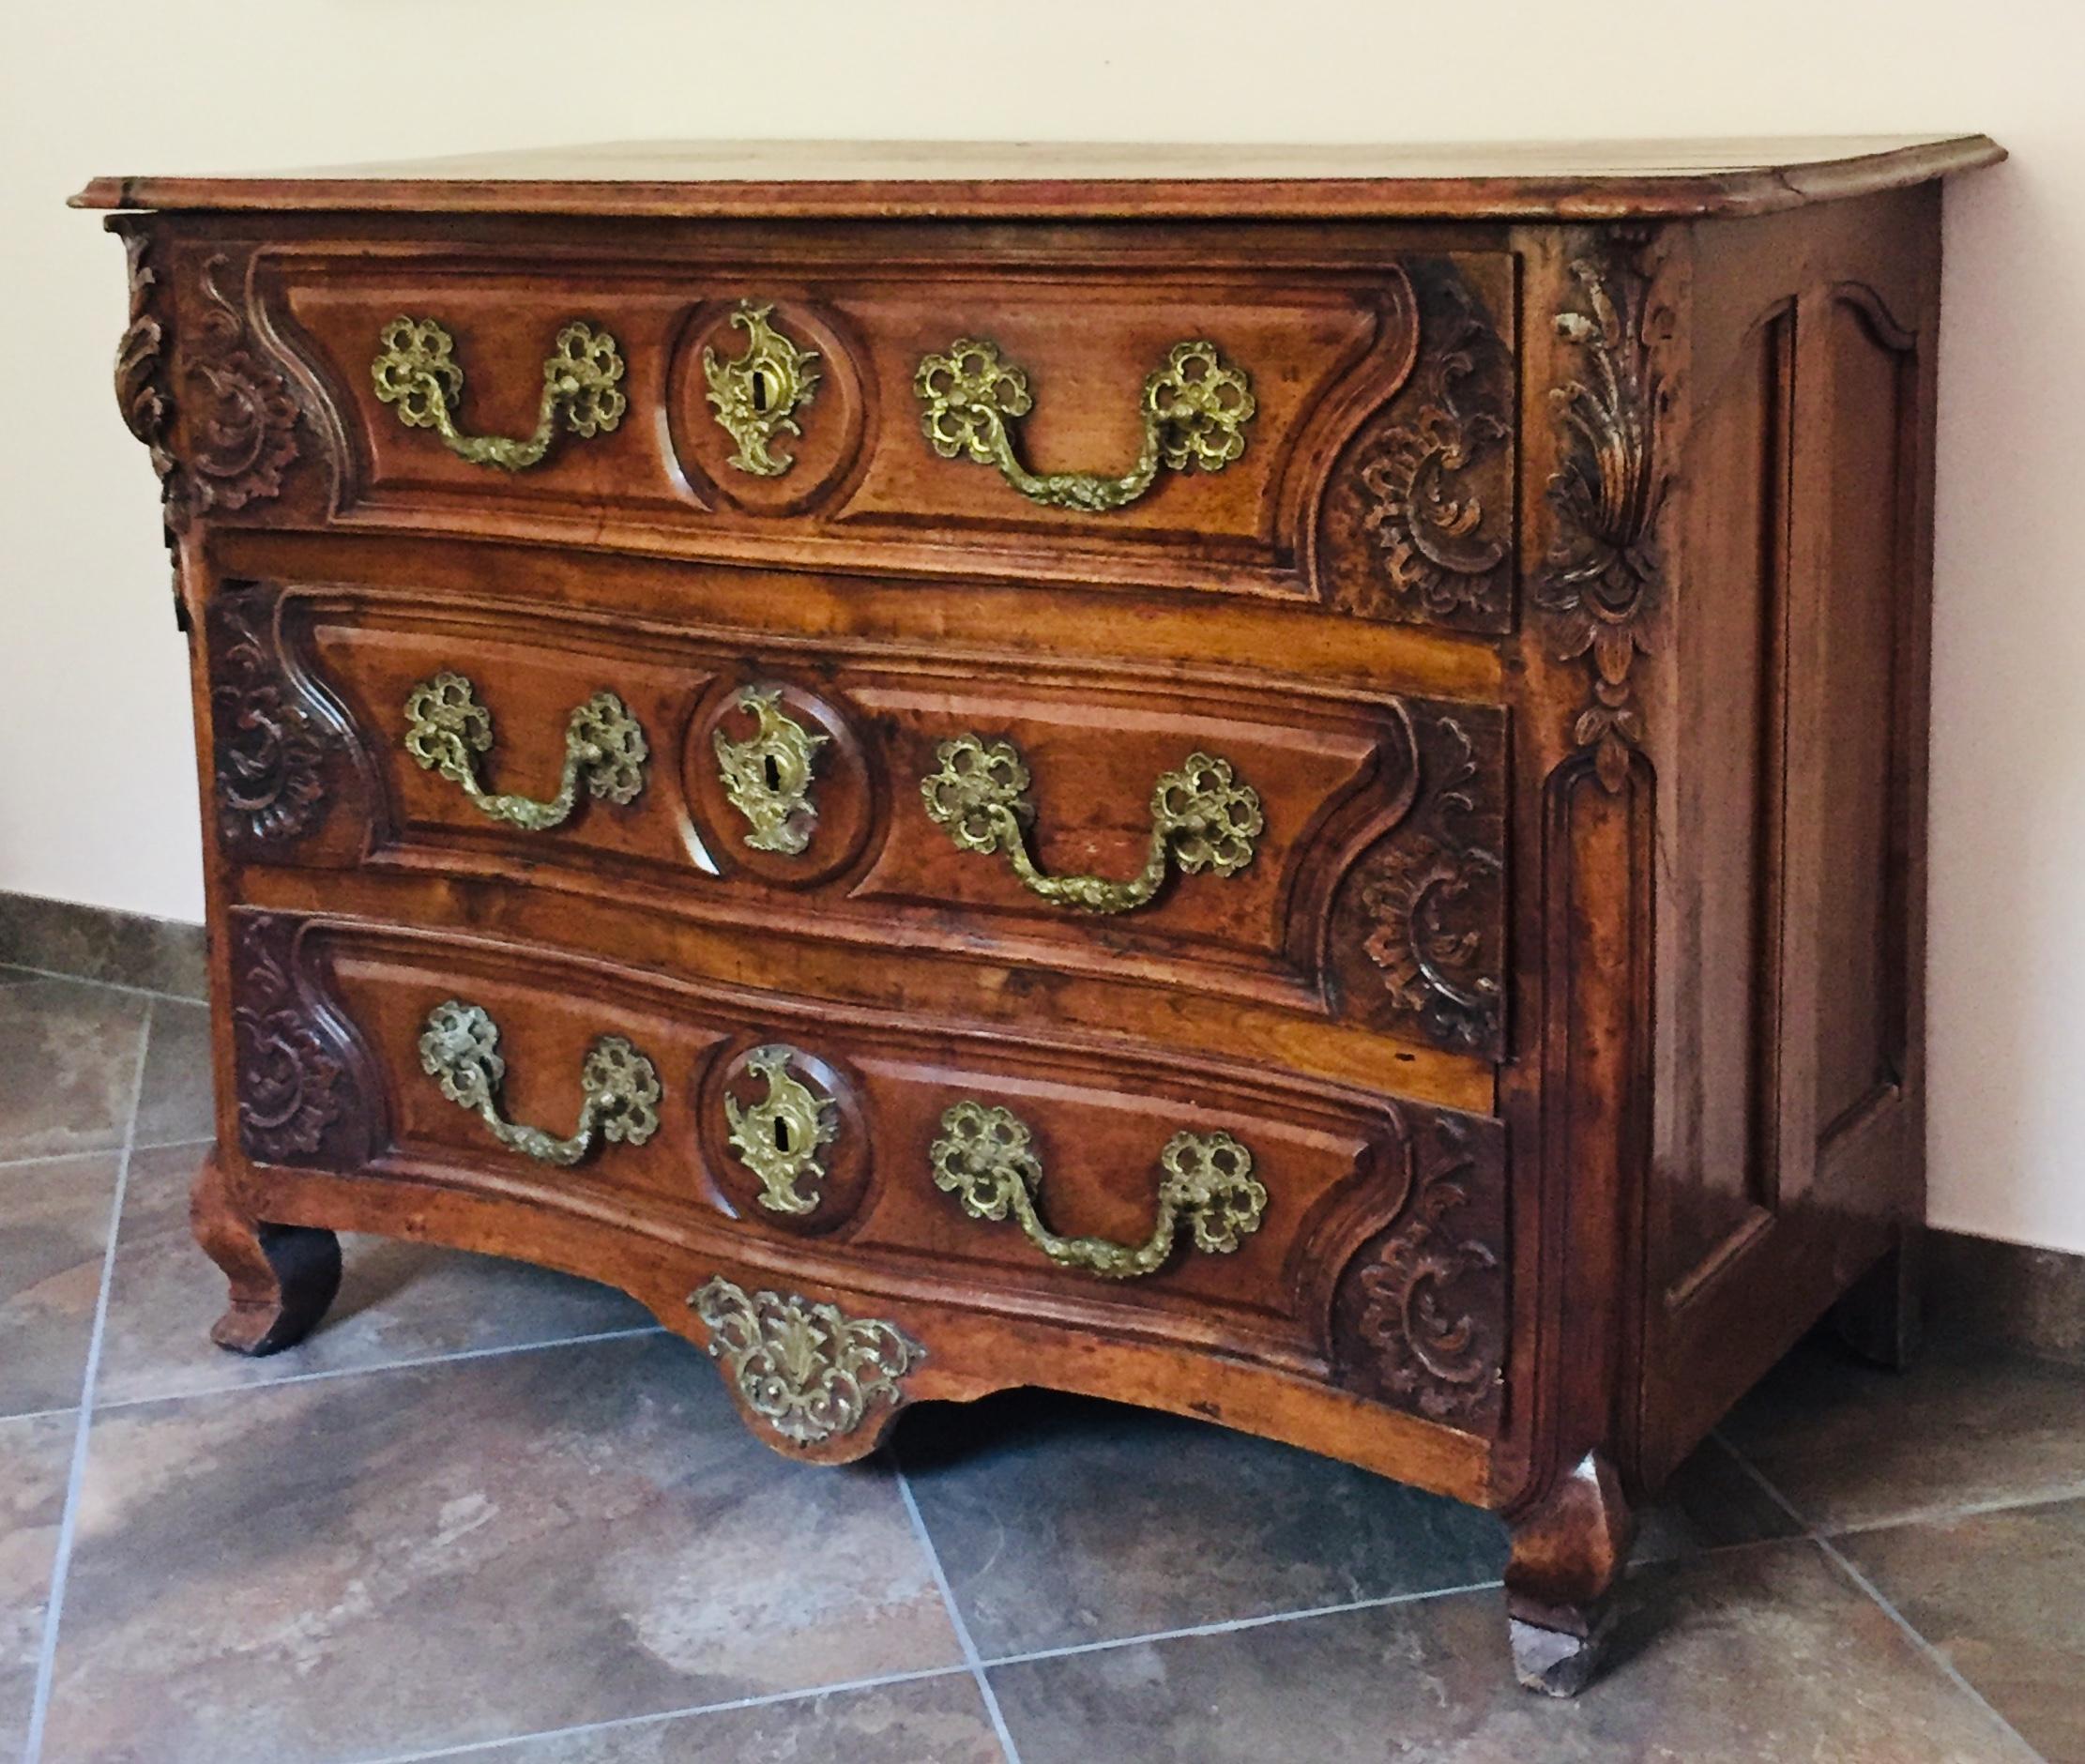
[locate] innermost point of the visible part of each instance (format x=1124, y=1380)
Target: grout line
x=61, y=1558
x=493, y=1352
x=111, y=986
x=36, y=1414
x=1231, y=1626
x=956, y=1616
x=1839, y=1560
x=174, y=1145
x=616, y=1723
x=1967, y=1510
x=61, y=1157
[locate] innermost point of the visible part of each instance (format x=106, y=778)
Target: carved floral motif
x=807, y=1369
x=1601, y=578
x=269, y=753
x=1434, y=894
x=1428, y=1302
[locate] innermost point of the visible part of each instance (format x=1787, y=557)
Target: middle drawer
x=1320, y=850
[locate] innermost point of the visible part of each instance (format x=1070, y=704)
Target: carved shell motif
x=1420, y=1312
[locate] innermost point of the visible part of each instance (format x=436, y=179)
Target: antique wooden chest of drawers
x=1286, y=785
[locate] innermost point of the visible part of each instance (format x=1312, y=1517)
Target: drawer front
x=1329, y=853
x=1313, y=420
x=1320, y=1231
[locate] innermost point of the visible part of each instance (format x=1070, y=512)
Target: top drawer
x=1311, y=421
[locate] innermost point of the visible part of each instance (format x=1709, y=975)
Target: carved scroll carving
x=302, y=1080
x=212, y=404
x=1420, y=1316
x=1602, y=580
x=1418, y=521
x=272, y=741
x=1433, y=893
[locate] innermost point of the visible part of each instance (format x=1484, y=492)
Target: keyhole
x=762, y=394
x=786, y=1141
x=773, y=769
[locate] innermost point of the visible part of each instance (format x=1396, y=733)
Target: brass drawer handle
x=767, y=776
x=780, y=1137
x=1200, y=818
x=984, y=1158
x=416, y=370
x=1196, y=408
x=459, y=1047
x=605, y=749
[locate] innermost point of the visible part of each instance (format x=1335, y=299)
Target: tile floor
x=492, y=1514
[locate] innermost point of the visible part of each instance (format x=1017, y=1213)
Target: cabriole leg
x=1568, y=1553
x=282, y=1277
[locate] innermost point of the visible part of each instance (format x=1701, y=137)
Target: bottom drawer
x=1327, y=1235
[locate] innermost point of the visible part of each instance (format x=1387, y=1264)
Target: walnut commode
x=1286, y=785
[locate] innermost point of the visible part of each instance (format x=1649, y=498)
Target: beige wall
x=96, y=791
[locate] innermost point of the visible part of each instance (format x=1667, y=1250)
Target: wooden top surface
x=991, y=180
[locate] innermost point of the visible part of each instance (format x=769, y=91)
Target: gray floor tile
x=461, y=1553
x=173, y=1096
x=1740, y=1657
x=36, y=1457
x=397, y=1301
x=54, y=1231
x=1062, y=1520
x=928, y=1721
x=2003, y=1595
x=1850, y=1445
x=70, y=1052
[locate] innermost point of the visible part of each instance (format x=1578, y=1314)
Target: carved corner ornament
x=216, y=412
x=1439, y=544
x=1434, y=897
x=300, y=1079
x=1602, y=579
x=271, y=744
x=806, y=1369
x=1424, y=1306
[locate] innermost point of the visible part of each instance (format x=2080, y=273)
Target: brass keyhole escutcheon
x=768, y=777
x=780, y=1137
x=757, y=395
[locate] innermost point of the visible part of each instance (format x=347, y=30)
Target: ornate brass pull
x=459, y=1047
x=767, y=777
x=1199, y=815
x=984, y=1158
x=757, y=395
x=1196, y=408
x=605, y=749
x=416, y=370
x=780, y=1137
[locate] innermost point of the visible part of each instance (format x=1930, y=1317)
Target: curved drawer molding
x=416, y=372
x=1194, y=407
x=446, y=729
x=459, y=1048
x=1201, y=819
x=985, y=1158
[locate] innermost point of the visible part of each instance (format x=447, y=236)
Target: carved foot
x=1877, y=1318
x=1567, y=1554
x=282, y=1277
